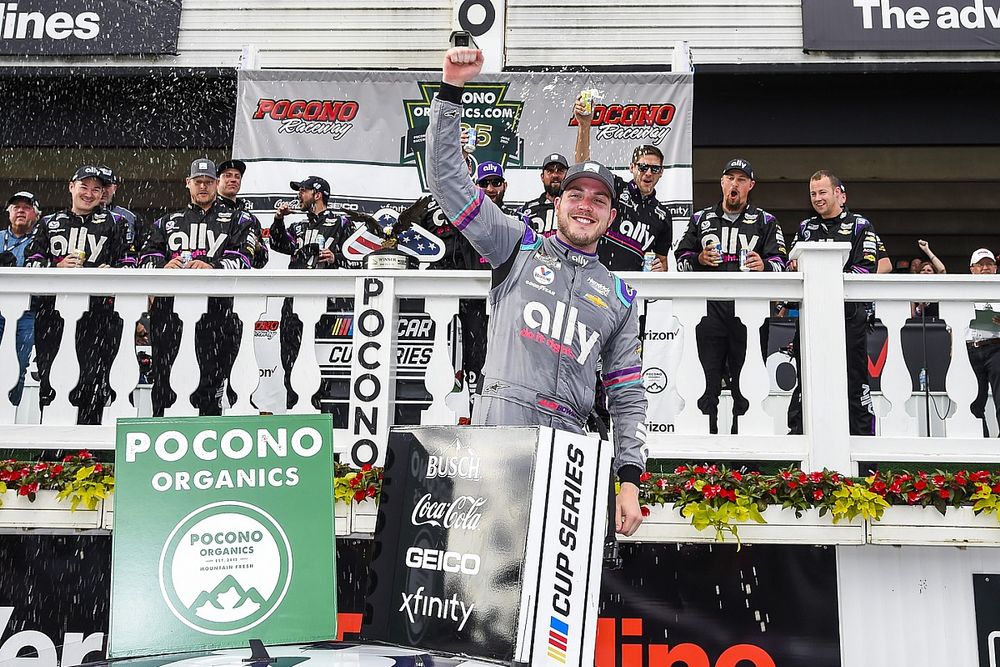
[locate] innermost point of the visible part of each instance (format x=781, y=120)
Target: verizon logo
x=36, y=25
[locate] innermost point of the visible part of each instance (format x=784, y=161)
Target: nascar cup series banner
x=364, y=132
x=488, y=551
x=223, y=533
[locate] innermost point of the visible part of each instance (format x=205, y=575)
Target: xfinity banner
x=223, y=533
x=901, y=25
x=487, y=551
x=363, y=131
x=89, y=27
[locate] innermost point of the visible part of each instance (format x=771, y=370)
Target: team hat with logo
x=203, y=167
x=238, y=165
x=739, y=164
x=489, y=170
x=311, y=183
x=108, y=174
x=591, y=169
x=980, y=255
x=90, y=171
x=25, y=196
x=555, y=158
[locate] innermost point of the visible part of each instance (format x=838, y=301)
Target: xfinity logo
x=36, y=25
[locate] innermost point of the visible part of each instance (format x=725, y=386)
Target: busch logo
x=463, y=512
x=560, y=328
x=465, y=467
x=200, y=238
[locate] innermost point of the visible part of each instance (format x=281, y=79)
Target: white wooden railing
x=820, y=286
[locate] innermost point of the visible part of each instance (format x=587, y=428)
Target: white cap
x=981, y=254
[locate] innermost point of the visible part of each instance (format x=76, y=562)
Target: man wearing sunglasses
x=489, y=178
x=732, y=235
x=643, y=224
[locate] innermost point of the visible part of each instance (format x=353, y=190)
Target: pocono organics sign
x=212, y=545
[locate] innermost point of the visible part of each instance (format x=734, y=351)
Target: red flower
x=785, y=475
x=355, y=480
x=944, y=493
x=728, y=494
x=688, y=485
x=817, y=494
x=896, y=486
x=359, y=496
x=23, y=490
x=996, y=488
x=84, y=454
x=793, y=485
x=644, y=510
x=40, y=466
x=879, y=487
x=700, y=470
x=803, y=478
x=680, y=470
x=938, y=480
x=979, y=476
x=737, y=476
x=816, y=477
x=67, y=458
x=661, y=483
x=773, y=490
x=56, y=469
x=912, y=497
x=710, y=491
x=645, y=477
x=960, y=479
x=98, y=468
x=920, y=484
x=366, y=467
x=370, y=492
x=713, y=469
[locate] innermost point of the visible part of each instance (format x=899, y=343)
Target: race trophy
x=387, y=241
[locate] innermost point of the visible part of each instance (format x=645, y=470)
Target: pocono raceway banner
x=364, y=132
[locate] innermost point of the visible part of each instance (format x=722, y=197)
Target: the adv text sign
x=89, y=27
x=223, y=533
x=901, y=25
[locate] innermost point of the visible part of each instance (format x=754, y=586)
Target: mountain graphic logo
x=225, y=568
x=227, y=602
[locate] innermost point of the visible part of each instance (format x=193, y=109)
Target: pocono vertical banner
x=223, y=533
x=364, y=131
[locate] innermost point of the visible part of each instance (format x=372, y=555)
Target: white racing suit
x=556, y=312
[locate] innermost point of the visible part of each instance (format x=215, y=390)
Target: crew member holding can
x=84, y=235
x=733, y=235
x=643, y=223
x=206, y=234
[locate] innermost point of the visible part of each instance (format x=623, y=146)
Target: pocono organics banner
x=364, y=131
x=223, y=533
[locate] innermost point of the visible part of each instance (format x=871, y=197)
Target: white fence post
x=822, y=341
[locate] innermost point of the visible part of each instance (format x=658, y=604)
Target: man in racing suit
x=216, y=237
x=556, y=308
x=833, y=222
x=313, y=242
x=84, y=235
x=713, y=242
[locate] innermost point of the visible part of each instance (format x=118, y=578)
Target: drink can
x=79, y=254
x=647, y=261
x=587, y=100
x=470, y=145
x=186, y=257
x=743, y=259
x=321, y=241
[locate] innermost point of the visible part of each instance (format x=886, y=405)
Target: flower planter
x=46, y=512
x=925, y=525
x=341, y=519
x=108, y=516
x=363, y=516
x=665, y=524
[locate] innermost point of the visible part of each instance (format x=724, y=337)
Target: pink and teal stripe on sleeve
x=623, y=378
x=471, y=210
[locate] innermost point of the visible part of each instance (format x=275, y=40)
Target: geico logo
x=59, y=25
x=327, y=110
x=442, y=561
x=560, y=327
x=200, y=238
x=233, y=444
x=465, y=467
x=77, y=239
x=463, y=512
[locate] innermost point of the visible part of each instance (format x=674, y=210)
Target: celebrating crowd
x=217, y=230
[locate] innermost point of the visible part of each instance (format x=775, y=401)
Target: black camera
x=463, y=38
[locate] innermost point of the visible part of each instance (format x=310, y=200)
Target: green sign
x=223, y=532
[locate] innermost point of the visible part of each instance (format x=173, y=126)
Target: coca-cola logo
x=462, y=513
